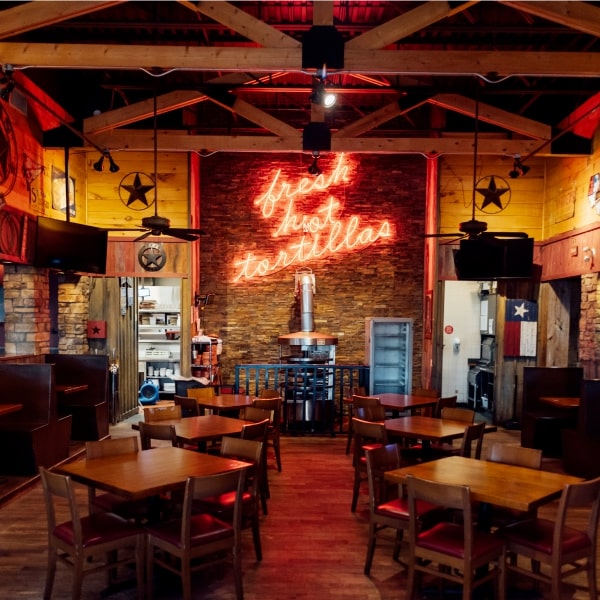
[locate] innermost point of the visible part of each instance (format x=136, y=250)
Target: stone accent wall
x=73, y=314
x=381, y=280
x=589, y=325
x=27, y=308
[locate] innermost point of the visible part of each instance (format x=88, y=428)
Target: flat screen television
x=70, y=247
x=488, y=258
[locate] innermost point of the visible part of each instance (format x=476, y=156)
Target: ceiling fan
x=473, y=228
x=156, y=225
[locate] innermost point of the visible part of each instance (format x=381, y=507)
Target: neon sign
x=312, y=236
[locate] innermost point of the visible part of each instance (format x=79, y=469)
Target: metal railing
x=313, y=394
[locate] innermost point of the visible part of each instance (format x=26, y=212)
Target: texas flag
x=520, y=329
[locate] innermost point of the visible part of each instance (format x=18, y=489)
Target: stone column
x=27, y=308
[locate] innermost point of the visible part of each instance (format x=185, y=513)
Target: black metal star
x=95, y=330
x=137, y=191
x=491, y=194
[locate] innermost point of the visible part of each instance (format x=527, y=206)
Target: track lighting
x=7, y=83
x=320, y=95
x=314, y=167
x=99, y=164
x=518, y=169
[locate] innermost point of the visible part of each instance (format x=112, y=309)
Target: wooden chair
x=201, y=393
x=360, y=401
x=154, y=414
x=557, y=543
x=258, y=431
x=375, y=413
x=273, y=405
x=388, y=506
x=109, y=502
x=451, y=550
x=101, y=536
x=367, y=436
x=156, y=431
x=465, y=415
x=351, y=392
x=178, y=544
x=444, y=402
x=189, y=406
x=267, y=394
x=530, y=458
x=249, y=451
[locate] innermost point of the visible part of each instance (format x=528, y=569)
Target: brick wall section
x=73, y=312
x=26, y=302
x=589, y=325
x=384, y=280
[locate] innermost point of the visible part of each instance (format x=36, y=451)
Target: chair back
x=380, y=460
x=153, y=414
x=255, y=431
x=189, y=406
x=56, y=487
x=444, y=402
x=156, y=431
x=253, y=413
x=267, y=393
x=247, y=450
x=516, y=455
x=358, y=401
x=366, y=433
x=426, y=392
x=111, y=447
x=201, y=393
x=473, y=434
x=273, y=405
x=370, y=413
x=465, y=415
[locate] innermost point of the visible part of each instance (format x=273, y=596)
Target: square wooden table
x=225, y=402
x=401, y=402
x=494, y=483
x=193, y=430
x=147, y=473
x=561, y=401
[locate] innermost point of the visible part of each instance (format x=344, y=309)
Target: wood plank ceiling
x=238, y=76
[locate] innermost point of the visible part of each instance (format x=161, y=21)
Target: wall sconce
x=519, y=169
x=588, y=255
x=314, y=167
x=99, y=164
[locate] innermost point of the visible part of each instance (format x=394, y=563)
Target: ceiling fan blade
x=505, y=234
x=143, y=236
x=182, y=234
x=443, y=235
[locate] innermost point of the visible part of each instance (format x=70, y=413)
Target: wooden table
x=6, y=409
x=400, y=402
x=225, y=402
x=494, y=483
x=193, y=430
x=147, y=473
x=428, y=429
x=561, y=402
x=68, y=389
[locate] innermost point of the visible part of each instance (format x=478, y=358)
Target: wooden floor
x=313, y=546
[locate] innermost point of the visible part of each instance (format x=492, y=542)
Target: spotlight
x=518, y=169
x=320, y=95
x=314, y=167
x=7, y=83
x=99, y=164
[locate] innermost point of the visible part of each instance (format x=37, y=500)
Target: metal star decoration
x=492, y=193
x=137, y=190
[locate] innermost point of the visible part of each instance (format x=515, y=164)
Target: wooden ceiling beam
x=34, y=15
x=581, y=16
x=139, y=111
x=174, y=141
x=440, y=62
x=495, y=116
x=241, y=22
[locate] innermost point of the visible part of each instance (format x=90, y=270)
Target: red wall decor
x=96, y=330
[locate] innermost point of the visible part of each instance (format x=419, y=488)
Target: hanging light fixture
x=99, y=164
x=519, y=169
x=320, y=95
x=314, y=167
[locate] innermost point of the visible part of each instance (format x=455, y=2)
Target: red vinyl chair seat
x=448, y=538
x=538, y=534
x=398, y=508
x=205, y=529
x=98, y=528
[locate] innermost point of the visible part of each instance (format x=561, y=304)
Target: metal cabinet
x=388, y=352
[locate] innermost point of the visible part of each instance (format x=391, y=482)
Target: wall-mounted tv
x=488, y=257
x=70, y=247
